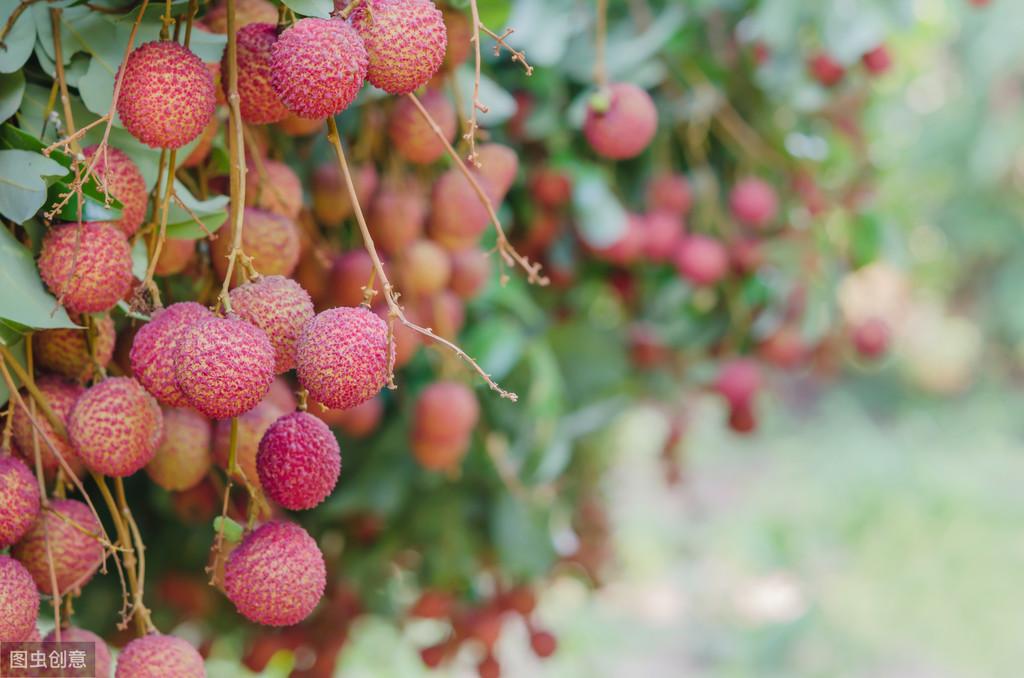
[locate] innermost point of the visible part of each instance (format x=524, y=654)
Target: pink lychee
x=89, y=269
x=101, y=653
x=670, y=193
x=159, y=656
x=61, y=396
x=116, y=427
x=66, y=350
x=19, y=500
x=702, y=260
x=258, y=102
x=120, y=176
x=412, y=136
x=19, y=601
x=753, y=202
x=183, y=458
x=72, y=530
x=405, y=41
x=298, y=461
x=278, y=306
x=155, y=349
x=625, y=126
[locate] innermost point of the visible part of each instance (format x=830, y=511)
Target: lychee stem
x=139, y=611
x=600, y=38
x=161, y=234
x=65, y=98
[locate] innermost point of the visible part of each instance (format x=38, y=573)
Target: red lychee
x=175, y=256
x=251, y=427
x=89, y=269
x=878, y=61
x=738, y=382
x=405, y=41
x=183, y=458
x=155, y=349
x=167, y=95
x=61, y=397
x=826, y=70
x=458, y=217
x=276, y=576
x=76, y=553
x=499, y=165
x=356, y=422
x=625, y=124
x=398, y=215
x=159, y=656
x=258, y=102
x=224, y=366
x=278, y=306
x=120, y=176
x=551, y=188
x=19, y=500
x=754, y=203
x=343, y=356
x=663, y=231
x=871, y=338
x=543, y=643
x=273, y=186
x=246, y=12
x=103, y=662
x=702, y=260
x=298, y=461
x=412, y=136
x=18, y=599
x=446, y=414
x=423, y=269
x=471, y=269
x=66, y=351
x=350, y=272
x=270, y=239
x=331, y=201
x=318, y=67
x=115, y=427
x=670, y=193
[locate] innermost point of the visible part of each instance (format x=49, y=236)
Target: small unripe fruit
x=155, y=349
x=543, y=643
x=878, y=61
x=224, y=366
x=350, y=273
x=738, y=382
x=405, y=41
x=626, y=127
x=753, y=202
x=120, y=176
x=670, y=193
x=159, y=656
x=276, y=576
x=19, y=601
x=318, y=67
x=702, y=260
x=66, y=351
x=275, y=189
x=258, y=102
x=61, y=396
x=278, y=306
x=167, y=95
x=183, y=458
x=499, y=164
x=246, y=12
x=251, y=427
x=424, y=269
x=398, y=215
x=76, y=554
x=663, y=231
x=826, y=70
x=19, y=500
x=298, y=461
x=871, y=338
x=343, y=357
x=458, y=216
x=270, y=239
x=412, y=136
x=446, y=414
x=89, y=269
x=331, y=201
x=115, y=427
x=471, y=269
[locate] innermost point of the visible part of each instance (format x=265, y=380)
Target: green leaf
x=140, y=259
x=20, y=40
x=182, y=226
x=600, y=217
x=22, y=185
x=23, y=299
x=497, y=345
x=232, y=530
x=317, y=8
x=12, y=89
x=521, y=537
x=500, y=104
x=18, y=349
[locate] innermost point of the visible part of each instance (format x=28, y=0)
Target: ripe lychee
x=423, y=269
x=669, y=193
x=66, y=350
x=224, y=366
x=405, y=41
x=19, y=500
x=663, y=232
x=446, y=414
x=550, y=187
x=318, y=67
x=276, y=576
x=753, y=202
x=246, y=12
x=270, y=239
x=159, y=656
x=878, y=60
x=331, y=201
x=273, y=186
x=120, y=176
x=298, y=461
x=471, y=269
x=183, y=458
x=871, y=338
x=826, y=70
x=251, y=427
x=72, y=530
x=278, y=306
x=458, y=216
x=175, y=256
x=103, y=662
x=398, y=215
x=155, y=349
x=622, y=126
x=702, y=260
x=258, y=102
x=19, y=600
x=343, y=356
x=356, y=422
x=115, y=427
x=167, y=94
x=61, y=397
x=499, y=165
x=738, y=382
x=89, y=269
x=350, y=272
x=784, y=347
x=281, y=395
x=412, y=136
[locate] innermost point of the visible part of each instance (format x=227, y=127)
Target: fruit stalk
x=236, y=151
x=138, y=610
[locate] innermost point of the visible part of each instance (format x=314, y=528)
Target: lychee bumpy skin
x=73, y=634
x=19, y=601
x=120, y=176
x=69, y=525
x=61, y=395
x=278, y=306
x=66, y=350
x=258, y=102
x=155, y=349
x=276, y=576
x=167, y=95
x=298, y=461
x=89, y=269
x=159, y=656
x=405, y=41
x=19, y=500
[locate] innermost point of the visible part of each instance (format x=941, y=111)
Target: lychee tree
x=391, y=268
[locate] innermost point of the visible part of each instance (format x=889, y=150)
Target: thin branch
x=600, y=40
x=472, y=125
x=500, y=42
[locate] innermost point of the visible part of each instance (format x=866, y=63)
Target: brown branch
x=500, y=42
x=600, y=40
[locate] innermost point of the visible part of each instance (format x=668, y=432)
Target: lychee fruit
x=629, y=245
x=298, y=461
x=175, y=256
x=405, y=41
x=499, y=164
x=446, y=414
x=754, y=203
x=702, y=260
x=159, y=656
x=412, y=136
x=120, y=176
x=251, y=427
x=747, y=255
x=423, y=269
x=871, y=338
x=294, y=126
x=356, y=422
x=73, y=532
x=167, y=94
x=276, y=576
x=116, y=427
x=444, y=313
x=433, y=655
x=224, y=366
x=318, y=67
x=826, y=70
x=669, y=193
x=624, y=124
x=458, y=217
x=398, y=215
x=551, y=188
x=738, y=382
x=66, y=351
x=155, y=349
x=258, y=102
x=103, y=662
x=19, y=500
x=270, y=239
x=471, y=269
x=343, y=356
x=350, y=272
x=331, y=201
x=61, y=397
x=281, y=395
x=784, y=347
x=663, y=232
x=278, y=306
x=19, y=600
x=246, y=12
x=459, y=29
x=276, y=189
x=543, y=643
x=878, y=61
x=89, y=269
x=183, y=458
